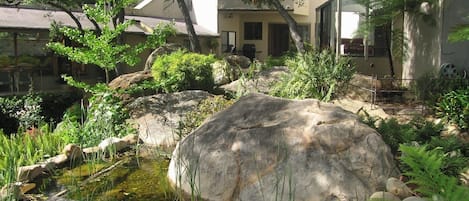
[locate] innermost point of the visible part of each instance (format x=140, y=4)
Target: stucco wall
x=455, y=12
x=234, y=21
x=423, y=45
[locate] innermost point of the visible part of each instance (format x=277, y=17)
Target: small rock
x=116, y=143
x=383, y=196
x=58, y=160
x=73, y=152
x=398, y=188
x=28, y=173
x=414, y=198
x=24, y=188
x=91, y=150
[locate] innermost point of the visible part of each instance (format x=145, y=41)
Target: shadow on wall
x=423, y=46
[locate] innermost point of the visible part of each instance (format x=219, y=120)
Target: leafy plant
x=25, y=109
x=454, y=108
x=315, y=75
x=105, y=116
x=425, y=171
x=25, y=149
x=182, y=70
x=104, y=49
x=429, y=89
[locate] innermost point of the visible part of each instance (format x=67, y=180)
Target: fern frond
x=426, y=172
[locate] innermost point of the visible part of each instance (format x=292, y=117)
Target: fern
x=426, y=172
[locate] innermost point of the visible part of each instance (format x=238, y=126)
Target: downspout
x=338, y=28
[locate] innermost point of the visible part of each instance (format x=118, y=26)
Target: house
x=233, y=27
x=25, y=61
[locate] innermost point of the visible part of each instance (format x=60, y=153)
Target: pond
x=131, y=176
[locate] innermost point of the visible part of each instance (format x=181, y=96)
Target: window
x=253, y=31
x=228, y=41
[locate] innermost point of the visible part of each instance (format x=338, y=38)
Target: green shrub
x=205, y=109
x=104, y=116
x=26, y=110
x=182, y=70
x=425, y=171
x=315, y=75
x=429, y=88
x=454, y=108
x=417, y=130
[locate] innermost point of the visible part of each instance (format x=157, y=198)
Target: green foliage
x=104, y=117
x=420, y=131
x=182, y=70
x=459, y=33
x=104, y=49
x=454, y=108
x=425, y=170
x=25, y=149
x=25, y=109
x=429, y=88
x=205, y=109
x=417, y=130
x=315, y=75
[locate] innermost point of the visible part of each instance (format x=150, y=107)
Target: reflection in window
x=253, y=31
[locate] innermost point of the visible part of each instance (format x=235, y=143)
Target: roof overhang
x=37, y=19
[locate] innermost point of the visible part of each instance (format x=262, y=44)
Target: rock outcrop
x=265, y=148
x=158, y=116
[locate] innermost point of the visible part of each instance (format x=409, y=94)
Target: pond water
x=129, y=177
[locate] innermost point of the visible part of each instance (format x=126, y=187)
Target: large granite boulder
x=265, y=148
x=158, y=116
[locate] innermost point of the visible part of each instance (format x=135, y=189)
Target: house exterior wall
x=428, y=44
x=455, y=12
x=423, y=45
x=234, y=21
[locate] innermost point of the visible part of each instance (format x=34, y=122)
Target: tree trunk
x=193, y=38
x=293, y=27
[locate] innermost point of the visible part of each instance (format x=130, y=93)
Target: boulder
x=261, y=83
x=158, y=116
x=165, y=49
x=265, y=148
x=398, y=188
x=125, y=81
x=224, y=73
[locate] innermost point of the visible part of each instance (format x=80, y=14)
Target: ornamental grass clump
x=315, y=74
